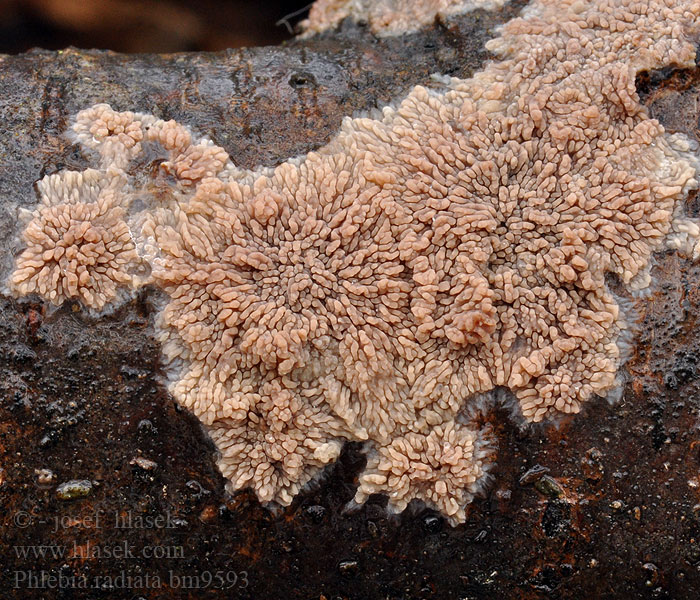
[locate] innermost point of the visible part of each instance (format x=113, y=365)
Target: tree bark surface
x=606, y=505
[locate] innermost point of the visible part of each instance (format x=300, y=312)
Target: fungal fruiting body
x=388, y=17
x=78, y=244
x=375, y=289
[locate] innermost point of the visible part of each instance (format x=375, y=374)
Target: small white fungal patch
x=388, y=17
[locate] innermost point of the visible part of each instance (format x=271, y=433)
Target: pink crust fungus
x=388, y=17
x=378, y=288
x=278, y=443
x=78, y=244
x=444, y=469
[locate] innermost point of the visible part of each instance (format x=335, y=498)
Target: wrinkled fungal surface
x=78, y=244
x=388, y=17
x=437, y=469
x=386, y=286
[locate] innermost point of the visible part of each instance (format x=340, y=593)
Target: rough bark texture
x=606, y=505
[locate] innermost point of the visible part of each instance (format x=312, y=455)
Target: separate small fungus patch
x=380, y=288
x=388, y=17
x=78, y=244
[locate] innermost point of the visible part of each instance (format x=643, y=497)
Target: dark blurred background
x=146, y=25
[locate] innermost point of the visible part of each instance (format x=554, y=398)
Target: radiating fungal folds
x=78, y=244
x=380, y=288
x=444, y=468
